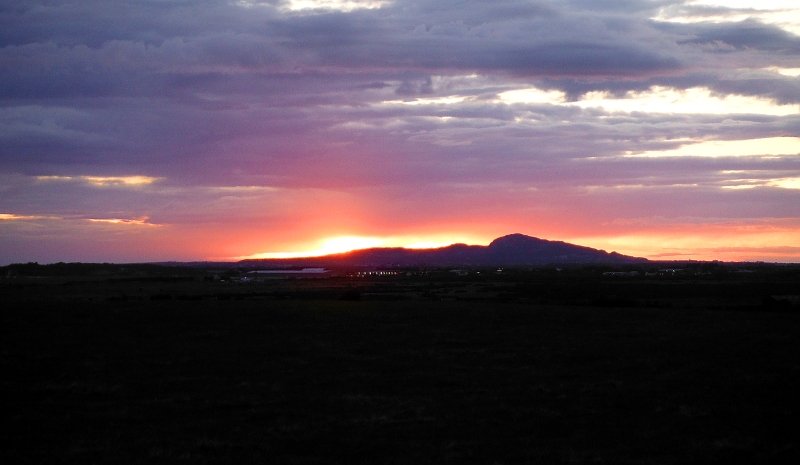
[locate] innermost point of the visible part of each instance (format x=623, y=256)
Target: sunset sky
x=157, y=130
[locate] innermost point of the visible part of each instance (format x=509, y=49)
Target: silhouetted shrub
x=609, y=302
x=775, y=304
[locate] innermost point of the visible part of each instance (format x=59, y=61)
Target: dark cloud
x=94, y=22
x=128, y=48
x=571, y=59
x=626, y=7
x=748, y=34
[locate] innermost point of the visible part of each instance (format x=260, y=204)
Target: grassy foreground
x=308, y=381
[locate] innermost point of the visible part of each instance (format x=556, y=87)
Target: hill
x=511, y=250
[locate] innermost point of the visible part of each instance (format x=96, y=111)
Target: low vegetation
x=422, y=366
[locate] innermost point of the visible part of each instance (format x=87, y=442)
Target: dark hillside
x=511, y=250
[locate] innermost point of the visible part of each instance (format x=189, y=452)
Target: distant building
x=621, y=273
x=304, y=271
x=670, y=271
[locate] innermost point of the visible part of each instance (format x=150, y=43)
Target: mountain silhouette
x=511, y=250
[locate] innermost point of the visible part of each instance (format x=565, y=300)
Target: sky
x=187, y=130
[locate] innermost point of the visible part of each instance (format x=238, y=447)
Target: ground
x=427, y=368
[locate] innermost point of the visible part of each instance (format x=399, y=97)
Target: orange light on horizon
x=329, y=247
x=653, y=238
x=345, y=244
x=427, y=245
x=722, y=241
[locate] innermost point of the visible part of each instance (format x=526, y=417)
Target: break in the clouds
x=189, y=130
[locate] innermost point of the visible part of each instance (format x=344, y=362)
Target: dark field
x=533, y=367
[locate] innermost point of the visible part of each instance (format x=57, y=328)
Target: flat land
x=428, y=368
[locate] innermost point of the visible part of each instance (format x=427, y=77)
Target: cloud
x=104, y=181
x=281, y=121
x=124, y=221
x=340, y=5
x=748, y=34
x=657, y=99
x=14, y=217
x=749, y=183
x=793, y=72
x=769, y=147
x=784, y=14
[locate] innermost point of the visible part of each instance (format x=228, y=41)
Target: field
x=532, y=367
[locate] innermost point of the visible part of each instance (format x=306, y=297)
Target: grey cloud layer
x=102, y=49
x=108, y=48
x=215, y=93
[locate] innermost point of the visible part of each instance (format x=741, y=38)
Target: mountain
x=511, y=250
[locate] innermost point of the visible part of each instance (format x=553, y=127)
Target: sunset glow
x=722, y=242
x=329, y=247
x=348, y=244
x=222, y=130
x=427, y=245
